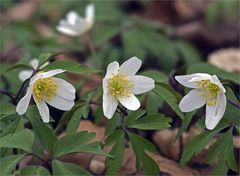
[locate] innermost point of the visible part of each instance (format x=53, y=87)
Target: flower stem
x=9, y=94
x=122, y=117
x=92, y=49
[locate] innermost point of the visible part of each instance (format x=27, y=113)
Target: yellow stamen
x=44, y=89
x=119, y=86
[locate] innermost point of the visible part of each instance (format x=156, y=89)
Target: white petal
x=216, y=81
x=43, y=111
x=24, y=102
x=72, y=17
x=25, y=74
x=112, y=69
x=215, y=113
x=131, y=102
x=105, y=84
x=142, y=84
x=65, y=89
x=34, y=62
x=44, y=65
x=190, y=80
x=131, y=66
x=68, y=30
x=61, y=103
x=89, y=14
x=193, y=100
x=109, y=105
x=46, y=75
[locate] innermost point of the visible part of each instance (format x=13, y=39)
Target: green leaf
x=201, y=140
x=34, y=170
x=8, y=163
x=44, y=57
x=13, y=127
x=133, y=116
x=69, y=144
x=6, y=110
x=170, y=96
x=156, y=75
x=139, y=146
x=18, y=66
x=45, y=135
x=18, y=140
x=114, y=164
x=63, y=168
x=152, y=122
x=112, y=124
x=212, y=70
x=150, y=167
x=71, y=66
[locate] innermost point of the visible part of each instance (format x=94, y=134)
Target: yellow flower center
x=119, y=86
x=44, y=89
x=211, y=91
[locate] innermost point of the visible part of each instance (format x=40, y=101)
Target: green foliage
x=140, y=145
x=18, y=140
x=6, y=110
x=33, y=170
x=170, y=96
x=114, y=164
x=70, y=66
x=8, y=163
x=13, y=127
x=69, y=144
x=63, y=168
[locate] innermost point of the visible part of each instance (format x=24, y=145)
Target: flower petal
x=190, y=80
x=105, y=84
x=43, y=111
x=193, y=100
x=72, y=17
x=112, y=69
x=25, y=74
x=215, y=113
x=34, y=62
x=89, y=14
x=216, y=81
x=24, y=102
x=142, y=84
x=61, y=103
x=109, y=105
x=67, y=30
x=65, y=89
x=131, y=66
x=44, y=65
x=46, y=75
x=130, y=102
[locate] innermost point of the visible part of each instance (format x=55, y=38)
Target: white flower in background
x=121, y=84
x=25, y=74
x=208, y=90
x=75, y=25
x=46, y=89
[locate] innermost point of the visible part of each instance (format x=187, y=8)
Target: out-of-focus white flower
x=75, y=25
x=121, y=84
x=46, y=89
x=25, y=74
x=207, y=90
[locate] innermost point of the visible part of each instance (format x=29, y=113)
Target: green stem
x=92, y=49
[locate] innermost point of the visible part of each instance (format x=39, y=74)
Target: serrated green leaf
x=34, y=170
x=44, y=57
x=133, y=116
x=150, y=167
x=13, y=127
x=64, y=168
x=69, y=144
x=71, y=66
x=45, y=135
x=152, y=122
x=156, y=75
x=8, y=163
x=113, y=164
x=168, y=95
x=6, y=110
x=18, y=140
x=112, y=124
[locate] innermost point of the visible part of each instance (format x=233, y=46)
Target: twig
x=9, y=94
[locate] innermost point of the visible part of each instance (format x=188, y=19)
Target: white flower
x=121, y=83
x=207, y=90
x=46, y=89
x=75, y=25
x=25, y=74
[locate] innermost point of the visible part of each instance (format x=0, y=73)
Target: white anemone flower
x=75, y=25
x=47, y=89
x=207, y=90
x=25, y=74
x=121, y=84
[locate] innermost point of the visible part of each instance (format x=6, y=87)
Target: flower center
x=44, y=88
x=119, y=85
x=211, y=91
